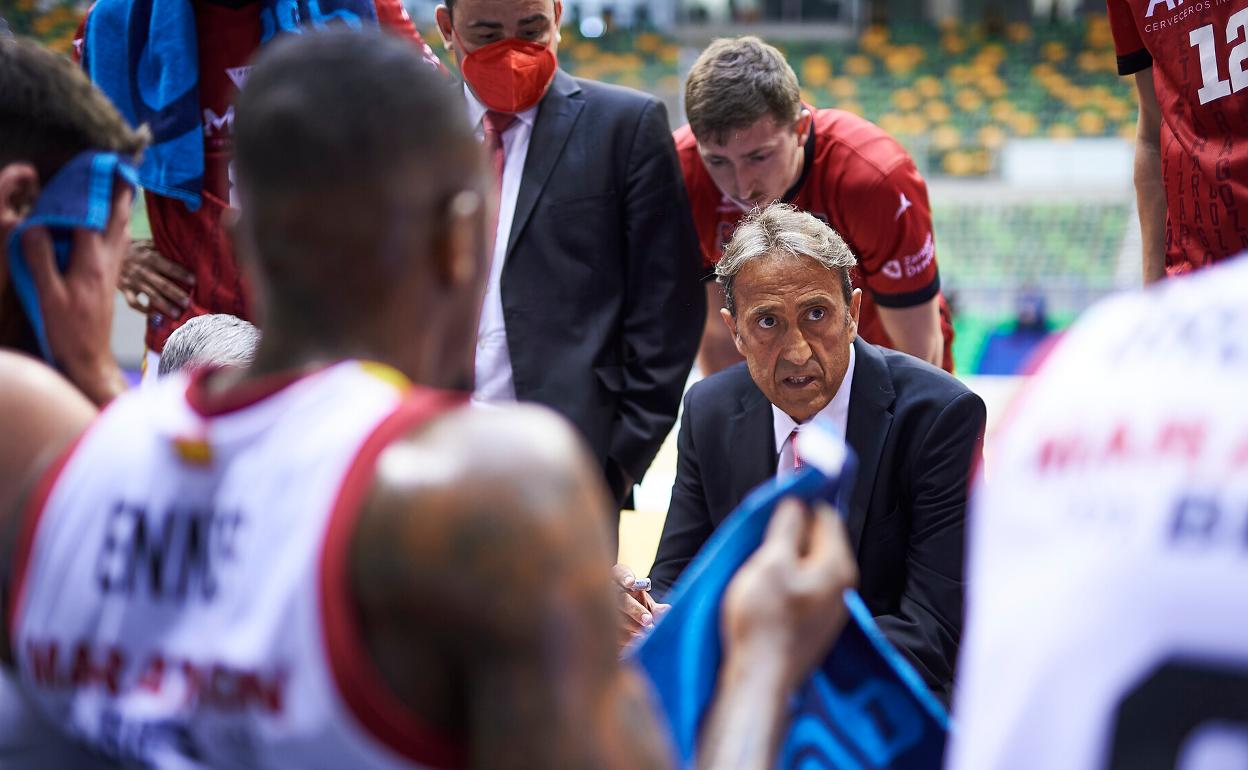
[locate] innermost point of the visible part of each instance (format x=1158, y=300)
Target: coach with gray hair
x=917, y=432
x=216, y=339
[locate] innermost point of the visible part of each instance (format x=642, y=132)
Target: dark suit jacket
x=601, y=290
x=917, y=432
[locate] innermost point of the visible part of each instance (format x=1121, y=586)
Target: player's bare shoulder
x=481, y=498
x=513, y=457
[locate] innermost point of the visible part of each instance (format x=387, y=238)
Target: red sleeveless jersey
x=861, y=182
x=1198, y=50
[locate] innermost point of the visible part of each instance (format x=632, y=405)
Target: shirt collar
x=477, y=110
x=837, y=409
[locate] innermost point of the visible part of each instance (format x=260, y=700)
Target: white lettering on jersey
x=215, y=124
x=1152, y=6
x=202, y=539
x=917, y=263
x=901, y=209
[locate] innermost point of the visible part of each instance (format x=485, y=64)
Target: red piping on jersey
x=240, y=396
x=32, y=515
x=358, y=681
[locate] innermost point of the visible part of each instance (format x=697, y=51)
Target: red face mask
x=510, y=75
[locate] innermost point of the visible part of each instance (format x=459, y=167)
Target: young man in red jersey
x=188, y=268
x=1191, y=167
x=751, y=141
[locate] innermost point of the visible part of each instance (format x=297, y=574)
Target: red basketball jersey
x=861, y=182
x=1198, y=50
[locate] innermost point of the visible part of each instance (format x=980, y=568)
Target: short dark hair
x=334, y=168
x=50, y=111
x=735, y=82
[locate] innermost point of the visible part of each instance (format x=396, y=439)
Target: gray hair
x=782, y=229
x=209, y=340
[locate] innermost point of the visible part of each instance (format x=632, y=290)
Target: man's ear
x=803, y=127
x=558, y=15
x=464, y=256
x=442, y=15
x=855, y=307
x=731, y=323
x=19, y=188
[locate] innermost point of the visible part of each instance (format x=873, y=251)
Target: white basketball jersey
x=185, y=596
x=1108, y=557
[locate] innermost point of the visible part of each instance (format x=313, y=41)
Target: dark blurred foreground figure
x=314, y=562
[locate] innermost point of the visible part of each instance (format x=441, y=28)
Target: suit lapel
x=751, y=443
x=555, y=118
x=871, y=398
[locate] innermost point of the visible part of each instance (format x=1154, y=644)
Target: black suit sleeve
x=928, y=623
x=665, y=303
x=688, y=524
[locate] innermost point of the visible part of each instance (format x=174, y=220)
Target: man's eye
x=759, y=158
x=767, y=322
x=817, y=314
x=717, y=162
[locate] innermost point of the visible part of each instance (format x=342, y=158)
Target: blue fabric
x=79, y=196
x=144, y=55
x=865, y=707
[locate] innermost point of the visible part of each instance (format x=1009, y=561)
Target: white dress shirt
x=493, y=363
x=836, y=412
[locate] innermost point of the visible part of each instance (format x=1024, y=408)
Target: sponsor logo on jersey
x=892, y=269
x=901, y=209
x=238, y=75
x=216, y=125
x=916, y=263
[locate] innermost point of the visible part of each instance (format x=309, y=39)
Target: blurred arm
x=1150, y=191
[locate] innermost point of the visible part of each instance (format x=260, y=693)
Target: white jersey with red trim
x=182, y=587
x=1108, y=557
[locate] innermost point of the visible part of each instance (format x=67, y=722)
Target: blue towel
x=143, y=54
x=79, y=196
x=865, y=707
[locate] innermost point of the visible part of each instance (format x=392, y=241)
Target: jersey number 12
x=1206, y=47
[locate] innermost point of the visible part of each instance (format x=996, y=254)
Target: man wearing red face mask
x=593, y=306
